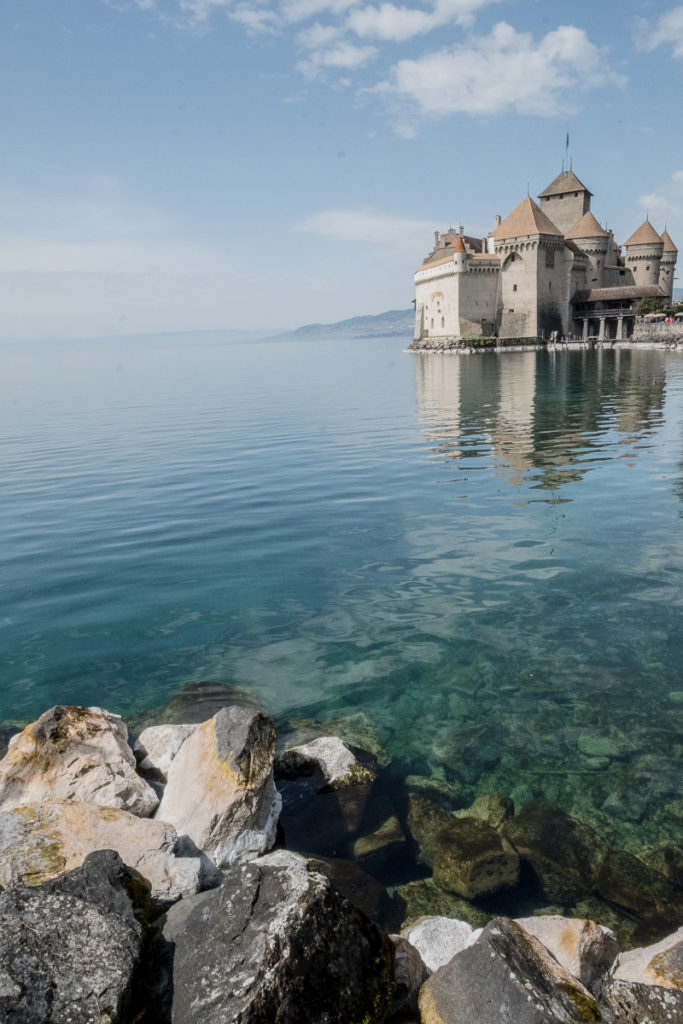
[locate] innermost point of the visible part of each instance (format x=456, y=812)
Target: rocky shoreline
x=204, y=869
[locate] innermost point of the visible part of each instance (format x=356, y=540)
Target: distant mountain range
x=385, y=325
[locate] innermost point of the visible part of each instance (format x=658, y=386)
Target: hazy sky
x=181, y=164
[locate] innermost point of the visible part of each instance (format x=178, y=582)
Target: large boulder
x=74, y=753
x=505, y=977
x=491, y=808
x=425, y=818
x=438, y=939
x=471, y=859
x=410, y=973
x=220, y=790
x=625, y=880
x=275, y=944
x=40, y=841
x=70, y=948
x=423, y=898
x=584, y=948
x=565, y=854
x=647, y=984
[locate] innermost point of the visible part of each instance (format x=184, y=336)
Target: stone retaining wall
x=661, y=333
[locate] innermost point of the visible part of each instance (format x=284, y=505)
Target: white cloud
x=300, y=10
x=668, y=29
x=369, y=226
x=390, y=22
x=665, y=207
x=318, y=35
x=343, y=55
x=255, y=19
x=506, y=70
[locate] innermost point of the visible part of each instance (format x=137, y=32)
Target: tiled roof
x=648, y=291
x=668, y=243
x=645, y=235
x=436, y=261
x=526, y=219
x=587, y=227
x=564, y=182
x=459, y=244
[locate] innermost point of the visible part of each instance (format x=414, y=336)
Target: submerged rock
x=565, y=854
x=40, y=841
x=628, y=882
x=505, y=977
x=425, y=819
x=275, y=944
x=220, y=790
x=197, y=702
x=667, y=859
x=74, y=753
x=423, y=898
x=491, y=808
x=471, y=859
x=70, y=948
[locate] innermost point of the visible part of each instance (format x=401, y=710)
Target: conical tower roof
x=459, y=244
x=566, y=181
x=645, y=235
x=526, y=219
x=586, y=227
x=668, y=243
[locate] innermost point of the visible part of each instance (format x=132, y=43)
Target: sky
x=174, y=165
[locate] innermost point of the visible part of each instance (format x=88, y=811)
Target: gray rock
x=566, y=855
x=328, y=760
x=360, y=889
x=40, y=841
x=584, y=948
x=505, y=977
x=423, y=898
x=410, y=973
x=74, y=753
x=425, y=819
x=156, y=747
x=438, y=939
x=356, y=730
x=69, y=949
x=275, y=944
x=471, y=859
x=220, y=790
x=646, y=985
x=491, y=808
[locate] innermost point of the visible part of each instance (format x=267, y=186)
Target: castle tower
x=667, y=265
x=533, y=294
x=644, y=251
x=595, y=242
x=565, y=200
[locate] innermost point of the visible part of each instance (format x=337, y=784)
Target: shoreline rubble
x=218, y=881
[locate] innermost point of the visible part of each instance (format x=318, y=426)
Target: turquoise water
x=482, y=553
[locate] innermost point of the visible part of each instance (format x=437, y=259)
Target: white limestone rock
x=584, y=948
x=74, y=753
x=329, y=760
x=41, y=841
x=220, y=790
x=646, y=985
x=438, y=939
x=157, y=745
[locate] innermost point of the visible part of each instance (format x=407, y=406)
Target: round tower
x=644, y=255
x=594, y=242
x=668, y=264
x=460, y=255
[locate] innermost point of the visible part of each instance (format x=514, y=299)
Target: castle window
x=514, y=287
x=621, y=273
x=442, y=322
x=550, y=286
x=647, y=268
x=432, y=323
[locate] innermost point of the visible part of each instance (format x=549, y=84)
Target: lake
x=481, y=553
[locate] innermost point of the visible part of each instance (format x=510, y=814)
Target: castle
x=545, y=271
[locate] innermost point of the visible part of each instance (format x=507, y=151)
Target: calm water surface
x=482, y=553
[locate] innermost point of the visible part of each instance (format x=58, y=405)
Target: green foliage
x=650, y=305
